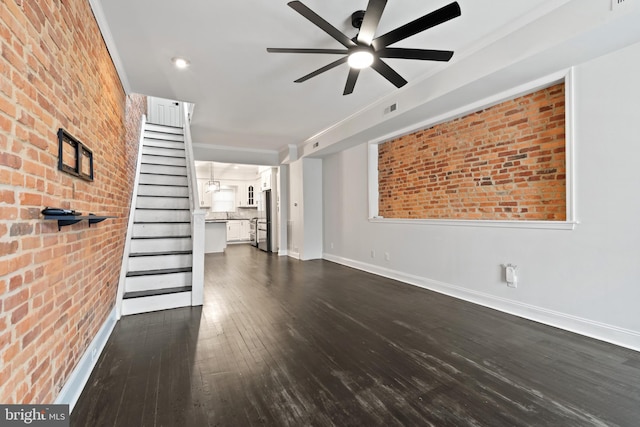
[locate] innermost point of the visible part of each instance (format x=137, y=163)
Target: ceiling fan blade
x=371, y=20
x=322, y=70
x=388, y=73
x=296, y=50
x=351, y=80
x=321, y=23
x=429, y=20
x=423, y=54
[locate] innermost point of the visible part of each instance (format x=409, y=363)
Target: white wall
x=586, y=280
x=305, y=209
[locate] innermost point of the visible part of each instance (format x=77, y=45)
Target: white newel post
x=197, y=216
x=197, y=268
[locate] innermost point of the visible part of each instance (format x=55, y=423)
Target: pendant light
x=212, y=186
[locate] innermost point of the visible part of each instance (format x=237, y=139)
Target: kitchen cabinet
x=246, y=195
x=233, y=230
x=244, y=229
x=265, y=180
x=238, y=230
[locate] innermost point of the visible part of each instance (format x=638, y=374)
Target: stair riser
x=162, y=191
x=168, y=152
x=155, y=303
x=163, y=144
x=161, y=216
x=163, y=136
x=158, y=281
x=161, y=245
x=152, y=127
x=161, y=230
x=163, y=180
x=162, y=203
x=147, y=263
x=161, y=160
x=164, y=170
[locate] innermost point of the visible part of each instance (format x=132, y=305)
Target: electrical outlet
x=387, y=256
x=373, y=253
x=511, y=275
x=331, y=245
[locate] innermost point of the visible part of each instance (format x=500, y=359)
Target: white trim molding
x=70, y=393
x=597, y=330
x=570, y=223
x=541, y=225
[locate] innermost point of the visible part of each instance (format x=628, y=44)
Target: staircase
x=159, y=265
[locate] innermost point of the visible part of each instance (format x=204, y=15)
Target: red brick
x=505, y=145
x=33, y=104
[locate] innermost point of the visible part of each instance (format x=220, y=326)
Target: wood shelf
x=64, y=220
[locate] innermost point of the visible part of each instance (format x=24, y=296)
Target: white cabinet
x=204, y=196
x=238, y=230
x=265, y=180
x=244, y=229
x=246, y=195
x=233, y=230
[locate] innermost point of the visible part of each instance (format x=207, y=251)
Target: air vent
x=620, y=5
x=391, y=108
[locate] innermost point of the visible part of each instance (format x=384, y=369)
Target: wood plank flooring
x=281, y=342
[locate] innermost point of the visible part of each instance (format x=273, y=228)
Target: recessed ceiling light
x=180, y=63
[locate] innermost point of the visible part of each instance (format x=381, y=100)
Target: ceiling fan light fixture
x=360, y=58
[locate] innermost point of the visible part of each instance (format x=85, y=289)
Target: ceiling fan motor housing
x=356, y=18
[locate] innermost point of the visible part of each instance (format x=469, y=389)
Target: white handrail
x=197, y=215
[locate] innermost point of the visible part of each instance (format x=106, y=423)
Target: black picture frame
x=74, y=157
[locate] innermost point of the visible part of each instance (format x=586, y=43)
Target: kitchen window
x=223, y=200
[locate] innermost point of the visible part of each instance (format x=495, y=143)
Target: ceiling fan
x=366, y=51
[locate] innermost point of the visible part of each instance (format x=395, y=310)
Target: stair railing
x=197, y=215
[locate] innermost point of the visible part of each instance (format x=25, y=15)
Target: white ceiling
x=244, y=96
x=226, y=170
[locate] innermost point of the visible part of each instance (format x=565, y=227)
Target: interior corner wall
x=584, y=280
x=57, y=288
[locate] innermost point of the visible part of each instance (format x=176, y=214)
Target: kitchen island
x=215, y=235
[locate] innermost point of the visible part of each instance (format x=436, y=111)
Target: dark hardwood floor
x=281, y=342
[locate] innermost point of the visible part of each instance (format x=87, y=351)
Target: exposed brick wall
x=57, y=287
x=506, y=162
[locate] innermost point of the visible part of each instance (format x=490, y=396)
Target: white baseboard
x=283, y=252
x=601, y=331
x=295, y=255
x=75, y=383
